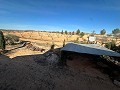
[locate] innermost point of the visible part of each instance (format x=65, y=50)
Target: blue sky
x=58, y=15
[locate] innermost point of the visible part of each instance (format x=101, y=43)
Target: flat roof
x=89, y=49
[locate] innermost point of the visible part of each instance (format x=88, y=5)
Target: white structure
x=91, y=39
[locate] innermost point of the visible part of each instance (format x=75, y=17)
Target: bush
x=77, y=40
x=112, y=46
x=64, y=43
x=52, y=47
x=2, y=41
x=11, y=39
x=82, y=34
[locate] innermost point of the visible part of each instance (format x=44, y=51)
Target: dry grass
x=45, y=37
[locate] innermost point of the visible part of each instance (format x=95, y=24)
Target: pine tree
x=82, y=34
x=66, y=32
x=73, y=33
x=62, y=32
x=78, y=32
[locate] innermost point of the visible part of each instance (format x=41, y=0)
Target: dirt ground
x=41, y=72
x=17, y=50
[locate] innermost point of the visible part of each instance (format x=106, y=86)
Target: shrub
x=52, y=47
x=77, y=40
x=82, y=34
x=64, y=43
x=66, y=32
x=11, y=39
x=2, y=41
x=112, y=46
x=78, y=32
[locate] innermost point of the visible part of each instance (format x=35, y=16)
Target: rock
x=35, y=48
x=117, y=82
x=42, y=50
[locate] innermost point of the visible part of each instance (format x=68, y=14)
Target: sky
x=58, y=15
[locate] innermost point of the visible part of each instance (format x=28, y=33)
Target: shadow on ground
x=41, y=72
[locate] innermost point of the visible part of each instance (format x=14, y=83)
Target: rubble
x=35, y=48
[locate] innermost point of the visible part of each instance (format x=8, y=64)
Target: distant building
x=92, y=39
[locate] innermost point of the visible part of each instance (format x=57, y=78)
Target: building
x=91, y=39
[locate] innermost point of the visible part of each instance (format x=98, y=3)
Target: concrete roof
x=89, y=49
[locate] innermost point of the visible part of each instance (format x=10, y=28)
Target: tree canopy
x=82, y=34
x=66, y=32
x=116, y=31
x=93, y=33
x=103, y=32
x=62, y=32
x=78, y=32
x=73, y=33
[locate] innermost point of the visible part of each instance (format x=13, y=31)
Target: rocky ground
x=41, y=72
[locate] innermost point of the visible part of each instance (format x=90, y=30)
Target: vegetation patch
x=11, y=39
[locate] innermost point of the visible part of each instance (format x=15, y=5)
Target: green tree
x=93, y=33
x=73, y=33
x=70, y=33
x=116, y=31
x=2, y=41
x=62, y=32
x=66, y=32
x=82, y=34
x=103, y=32
x=78, y=32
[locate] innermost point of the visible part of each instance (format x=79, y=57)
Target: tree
x=116, y=31
x=73, y=33
x=64, y=43
x=70, y=33
x=103, y=32
x=66, y=32
x=2, y=41
x=62, y=32
x=93, y=33
x=82, y=34
x=78, y=32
